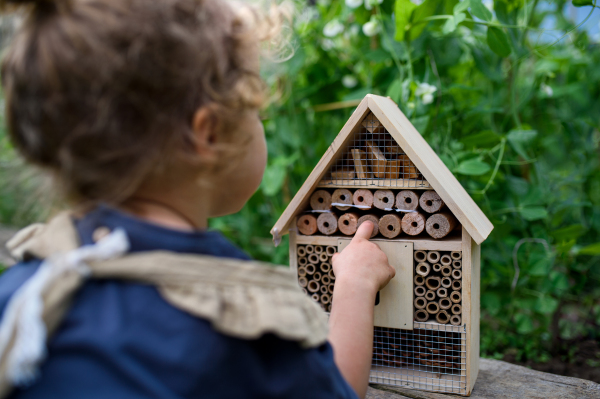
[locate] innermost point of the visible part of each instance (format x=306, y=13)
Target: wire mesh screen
x=374, y=158
x=431, y=357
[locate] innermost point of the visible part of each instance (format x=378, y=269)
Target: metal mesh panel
x=431, y=357
x=374, y=158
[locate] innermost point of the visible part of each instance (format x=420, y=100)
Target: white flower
x=410, y=105
x=349, y=81
x=333, y=28
x=417, y=2
x=370, y=3
x=425, y=91
x=327, y=44
x=489, y=4
x=427, y=98
x=547, y=90
x=371, y=28
x=354, y=3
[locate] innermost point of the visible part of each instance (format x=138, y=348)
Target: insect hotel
x=379, y=168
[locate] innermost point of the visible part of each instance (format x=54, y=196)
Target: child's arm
x=361, y=270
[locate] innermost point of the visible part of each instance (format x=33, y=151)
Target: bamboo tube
x=433, y=256
x=440, y=224
x=325, y=299
x=342, y=196
x=430, y=295
x=456, y=285
x=420, y=303
x=313, y=258
x=437, y=267
x=363, y=198
x=445, y=303
x=390, y=225
x=320, y=201
x=323, y=257
x=442, y=317
x=323, y=289
x=419, y=290
x=315, y=297
x=456, y=309
x=432, y=307
x=423, y=269
x=413, y=223
x=383, y=199
x=303, y=282
x=331, y=250
x=446, y=282
x=442, y=292
x=431, y=202
x=446, y=271
x=305, y=290
x=421, y=315
x=310, y=269
x=455, y=297
x=310, y=249
x=347, y=223
x=331, y=275
x=433, y=283
x=372, y=218
x=419, y=280
x=330, y=288
x=329, y=308
x=456, y=255
x=317, y=276
x=420, y=256
x=446, y=260
x=456, y=274
x=457, y=264
x=455, y=320
x=319, y=249
x=407, y=200
x=301, y=251
x=307, y=225
x=327, y=223
x=325, y=280
x=313, y=286
x=302, y=271
x=302, y=261
x=325, y=267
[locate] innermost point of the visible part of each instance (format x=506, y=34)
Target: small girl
x=145, y=114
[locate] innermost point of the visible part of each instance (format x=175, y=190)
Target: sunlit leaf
x=532, y=213
x=403, y=10
x=583, y=3
x=480, y=11
x=498, y=41
x=592, y=249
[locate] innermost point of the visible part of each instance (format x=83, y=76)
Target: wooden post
x=440, y=224
x=363, y=198
x=327, y=223
x=383, y=199
x=348, y=223
x=431, y=202
x=407, y=200
x=320, y=200
x=307, y=225
x=390, y=225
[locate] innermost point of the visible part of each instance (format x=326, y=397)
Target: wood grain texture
x=420, y=243
x=466, y=304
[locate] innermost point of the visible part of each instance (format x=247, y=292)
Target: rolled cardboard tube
x=320, y=200
x=421, y=315
x=305, y=291
x=372, y=218
x=442, y=317
x=325, y=267
x=310, y=269
x=431, y=308
x=317, y=276
x=407, y=200
x=456, y=255
x=440, y=225
x=446, y=271
x=302, y=260
x=457, y=264
x=307, y=225
x=456, y=309
x=318, y=249
x=323, y=289
x=323, y=257
x=446, y=260
x=301, y=271
x=419, y=280
x=327, y=223
x=390, y=225
x=313, y=258
x=413, y=223
x=420, y=256
x=331, y=250
x=445, y=303
x=430, y=295
x=330, y=288
x=332, y=275
x=455, y=297
x=437, y=267
x=363, y=198
x=446, y=282
x=325, y=280
x=420, y=302
x=456, y=274
x=423, y=269
x=315, y=297
x=313, y=286
x=442, y=292
x=347, y=223
x=342, y=196
x=383, y=199
x=309, y=249
x=301, y=251
x=433, y=283
x=431, y=202
x=456, y=285
x=325, y=299
x=433, y=256
x=420, y=290
x=455, y=320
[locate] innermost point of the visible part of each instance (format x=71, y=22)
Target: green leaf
x=480, y=11
x=403, y=10
x=394, y=91
x=518, y=139
x=452, y=23
x=583, y=3
x=425, y=10
x=533, y=213
x=273, y=179
x=498, y=41
x=541, y=267
x=569, y=232
x=491, y=302
x=546, y=305
x=486, y=138
x=524, y=323
x=473, y=167
x=592, y=249
x=461, y=6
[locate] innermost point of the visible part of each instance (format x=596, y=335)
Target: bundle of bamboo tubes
x=438, y=283
x=315, y=273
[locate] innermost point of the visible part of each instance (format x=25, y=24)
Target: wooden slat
x=293, y=255
x=475, y=291
x=374, y=183
x=467, y=242
x=317, y=240
x=452, y=243
x=431, y=166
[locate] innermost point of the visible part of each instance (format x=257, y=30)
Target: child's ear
x=204, y=129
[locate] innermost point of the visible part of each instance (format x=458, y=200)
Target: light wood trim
x=432, y=325
x=431, y=166
x=376, y=183
x=466, y=297
x=293, y=255
x=452, y=243
x=475, y=308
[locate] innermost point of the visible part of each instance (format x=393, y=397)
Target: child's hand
x=362, y=264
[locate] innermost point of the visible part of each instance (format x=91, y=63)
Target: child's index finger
x=364, y=231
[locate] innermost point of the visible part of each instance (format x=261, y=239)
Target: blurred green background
x=508, y=94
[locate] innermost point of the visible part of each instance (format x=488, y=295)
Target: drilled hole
x=429, y=203
x=346, y=223
x=408, y=200
x=390, y=227
x=321, y=200
x=436, y=226
x=414, y=224
x=360, y=199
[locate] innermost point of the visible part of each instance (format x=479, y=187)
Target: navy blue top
x=122, y=340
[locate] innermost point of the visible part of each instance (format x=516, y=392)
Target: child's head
x=108, y=95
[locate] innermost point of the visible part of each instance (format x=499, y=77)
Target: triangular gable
x=434, y=173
